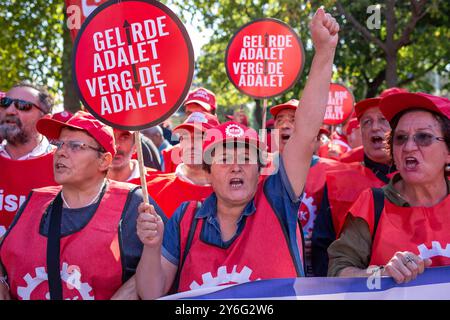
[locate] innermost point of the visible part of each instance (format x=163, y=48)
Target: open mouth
x=285, y=137
x=236, y=183
x=377, y=141
x=411, y=163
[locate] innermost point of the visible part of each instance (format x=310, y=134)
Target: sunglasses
x=74, y=146
x=20, y=105
x=421, y=139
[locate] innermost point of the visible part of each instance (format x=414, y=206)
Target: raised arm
x=309, y=116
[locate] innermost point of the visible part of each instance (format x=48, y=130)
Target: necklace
x=91, y=202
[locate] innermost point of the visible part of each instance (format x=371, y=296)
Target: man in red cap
x=26, y=157
x=284, y=116
x=248, y=228
x=374, y=171
x=198, y=100
x=77, y=240
x=190, y=181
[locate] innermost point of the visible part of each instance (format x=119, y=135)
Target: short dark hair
x=443, y=121
x=45, y=98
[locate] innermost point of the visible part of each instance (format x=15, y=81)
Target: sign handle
x=264, y=115
x=137, y=139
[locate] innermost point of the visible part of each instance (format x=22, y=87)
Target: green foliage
x=31, y=42
x=360, y=64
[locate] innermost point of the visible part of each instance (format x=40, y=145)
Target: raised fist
x=324, y=31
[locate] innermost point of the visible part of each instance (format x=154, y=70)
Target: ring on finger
x=408, y=259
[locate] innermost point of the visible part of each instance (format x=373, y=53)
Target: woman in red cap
x=248, y=228
x=405, y=225
x=77, y=240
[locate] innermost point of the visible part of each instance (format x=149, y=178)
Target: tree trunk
x=71, y=101
x=391, y=45
x=391, y=69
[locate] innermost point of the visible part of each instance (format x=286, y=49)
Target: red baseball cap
x=199, y=120
x=203, y=97
x=363, y=105
x=62, y=116
x=352, y=125
x=393, y=104
x=231, y=131
x=81, y=120
x=291, y=104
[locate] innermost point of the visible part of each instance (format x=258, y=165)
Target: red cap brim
x=51, y=128
x=202, y=104
x=277, y=109
x=365, y=105
x=393, y=104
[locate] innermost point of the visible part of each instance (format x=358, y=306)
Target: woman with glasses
x=403, y=227
x=77, y=240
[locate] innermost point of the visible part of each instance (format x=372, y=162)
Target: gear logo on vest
x=307, y=213
x=436, y=250
x=71, y=279
x=234, y=131
x=223, y=277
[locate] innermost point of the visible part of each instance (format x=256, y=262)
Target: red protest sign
x=340, y=105
x=133, y=63
x=264, y=58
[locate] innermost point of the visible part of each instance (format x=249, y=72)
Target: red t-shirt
x=169, y=191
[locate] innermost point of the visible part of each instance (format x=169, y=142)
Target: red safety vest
x=17, y=178
x=169, y=191
x=420, y=230
x=172, y=158
x=91, y=266
x=344, y=187
x=261, y=251
x=313, y=194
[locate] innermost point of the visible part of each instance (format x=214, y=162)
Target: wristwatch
x=4, y=282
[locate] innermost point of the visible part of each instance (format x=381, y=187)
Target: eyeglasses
x=74, y=146
x=20, y=105
x=421, y=139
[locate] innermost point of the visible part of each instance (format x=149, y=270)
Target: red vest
x=169, y=191
x=313, y=192
x=261, y=251
x=420, y=230
x=91, y=265
x=354, y=155
x=172, y=158
x=344, y=187
x=17, y=178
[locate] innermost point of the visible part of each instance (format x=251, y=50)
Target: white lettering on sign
x=10, y=202
x=124, y=49
x=335, y=107
x=261, y=60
